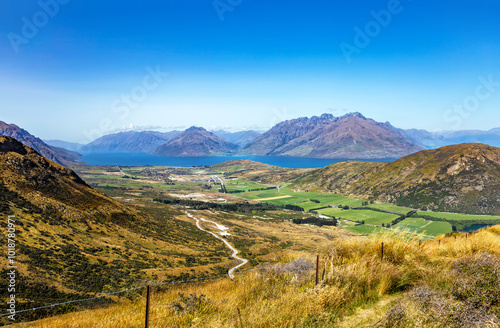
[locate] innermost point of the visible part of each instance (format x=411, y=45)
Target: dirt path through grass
x=235, y=251
x=367, y=317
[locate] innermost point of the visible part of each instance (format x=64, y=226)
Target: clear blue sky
x=263, y=62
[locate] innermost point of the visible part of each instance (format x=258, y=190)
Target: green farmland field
x=437, y=228
x=370, y=217
x=325, y=199
x=364, y=229
x=325, y=203
x=459, y=217
x=420, y=225
x=390, y=208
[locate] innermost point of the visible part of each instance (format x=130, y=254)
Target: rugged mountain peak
x=195, y=129
x=353, y=115
x=195, y=141
x=4, y=125
x=327, y=116
x=11, y=129
x=57, y=155
x=351, y=136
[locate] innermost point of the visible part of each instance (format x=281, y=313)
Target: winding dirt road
x=220, y=227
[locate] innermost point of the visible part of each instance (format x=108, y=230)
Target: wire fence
x=174, y=282
x=251, y=292
x=75, y=301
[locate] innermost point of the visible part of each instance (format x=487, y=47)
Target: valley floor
x=241, y=183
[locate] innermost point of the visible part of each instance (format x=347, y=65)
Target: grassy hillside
x=453, y=282
x=460, y=178
x=73, y=241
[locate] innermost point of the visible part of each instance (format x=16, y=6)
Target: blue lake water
x=142, y=159
x=475, y=227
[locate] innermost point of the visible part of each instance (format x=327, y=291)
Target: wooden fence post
x=317, y=269
x=382, y=252
x=239, y=317
x=148, y=298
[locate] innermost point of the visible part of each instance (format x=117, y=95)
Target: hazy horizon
x=74, y=70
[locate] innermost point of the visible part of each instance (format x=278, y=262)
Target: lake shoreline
x=143, y=159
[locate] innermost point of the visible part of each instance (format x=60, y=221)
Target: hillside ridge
x=463, y=178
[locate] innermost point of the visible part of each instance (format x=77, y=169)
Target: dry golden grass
x=355, y=290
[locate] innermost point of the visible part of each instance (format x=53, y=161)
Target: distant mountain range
x=351, y=136
x=73, y=146
x=462, y=178
x=348, y=137
x=58, y=155
x=195, y=141
x=431, y=140
x=129, y=142
x=240, y=138
x=148, y=141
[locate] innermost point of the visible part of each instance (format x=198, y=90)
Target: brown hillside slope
x=73, y=241
x=463, y=178
x=50, y=186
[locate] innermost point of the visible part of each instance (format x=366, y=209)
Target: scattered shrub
x=426, y=307
x=190, y=303
x=299, y=268
x=477, y=280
